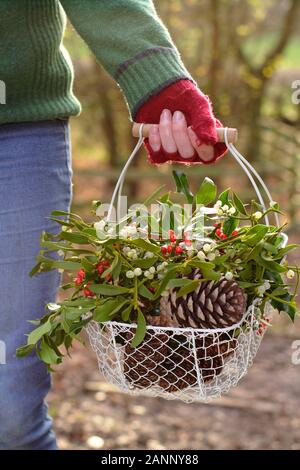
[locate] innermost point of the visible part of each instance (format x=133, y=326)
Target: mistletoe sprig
x=122, y=278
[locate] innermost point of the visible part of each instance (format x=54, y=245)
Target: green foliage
x=116, y=278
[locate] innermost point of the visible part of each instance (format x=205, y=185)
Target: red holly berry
x=172, y=235
x=178, y=250
x=169, y=248
x=87, y=292
x=100, y=269
x=80, y=277
x=164, y=250
x=108, y=277
x=223, y=236
x=219, y=232
x=101, y=266
x=234, y=233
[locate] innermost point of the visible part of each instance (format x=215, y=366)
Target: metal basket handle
x=245, y=165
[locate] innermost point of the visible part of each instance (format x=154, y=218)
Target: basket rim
x=249, y=311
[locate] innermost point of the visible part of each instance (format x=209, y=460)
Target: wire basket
x=181, y=363
x=177, y=363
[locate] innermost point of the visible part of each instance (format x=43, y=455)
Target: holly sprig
x=123, y=277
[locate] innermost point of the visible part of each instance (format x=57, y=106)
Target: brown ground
x=263, y=412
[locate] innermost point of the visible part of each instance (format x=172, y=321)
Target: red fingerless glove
x=183, y=96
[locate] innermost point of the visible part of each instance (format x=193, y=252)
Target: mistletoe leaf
x=239, y=204
x=140, y=330
x=107, y=289
x=182, y=185
x=206, y=193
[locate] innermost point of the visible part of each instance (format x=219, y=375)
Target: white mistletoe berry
x=206, y=248
x=211, y=256
x=218, y=204
x=290, y=274
x=232, y=211
x=130, y=274
x=257, y=215
x=152, y=270
x=148, y=275
x=201, y=255
x=137, y=272
x=100, y=225
x=229, y=276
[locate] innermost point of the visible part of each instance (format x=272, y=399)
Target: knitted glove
x=183, y=96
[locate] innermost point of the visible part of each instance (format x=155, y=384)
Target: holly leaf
x=288, y=305
x=230, y=225
x=25, y=350
x=37, y=334
x=47, y=354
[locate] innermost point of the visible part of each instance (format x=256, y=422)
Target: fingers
x=205, y=152
x=173, y=135
x=181, y=136
x=166, y=132
x=154, y=138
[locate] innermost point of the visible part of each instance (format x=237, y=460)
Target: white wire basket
x=177, y=363
x=188, y=364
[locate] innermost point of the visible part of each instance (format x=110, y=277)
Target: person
x=132, y=44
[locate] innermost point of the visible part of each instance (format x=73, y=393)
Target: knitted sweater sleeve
x=130, y=41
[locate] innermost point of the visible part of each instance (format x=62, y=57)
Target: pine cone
x=213, y=304
x=178, y=371
x=141, y=363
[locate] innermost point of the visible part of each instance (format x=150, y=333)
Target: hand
x=174, y=136
x=186, y=130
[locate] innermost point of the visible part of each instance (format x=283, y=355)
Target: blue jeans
x=35, y=178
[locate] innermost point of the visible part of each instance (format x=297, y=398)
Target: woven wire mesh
x=176, y=363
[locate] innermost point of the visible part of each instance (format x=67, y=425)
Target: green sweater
x=126, y=36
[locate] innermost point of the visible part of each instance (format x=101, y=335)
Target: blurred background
x=245, y=55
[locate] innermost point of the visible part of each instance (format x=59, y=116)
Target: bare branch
x=286, y=31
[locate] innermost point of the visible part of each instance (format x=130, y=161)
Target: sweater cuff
x=147, y=73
